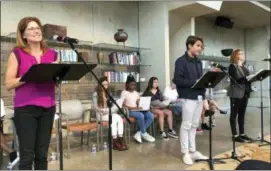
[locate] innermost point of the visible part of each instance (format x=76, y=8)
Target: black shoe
x=239, y=139
x=245, y=137
x=12, y=156
x=204, y=126
x=223, y=112
x=172, y=133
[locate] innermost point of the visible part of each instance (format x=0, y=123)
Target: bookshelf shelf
x=218, y=58
x=115, y=47
x=52, y=43
x=124, y=82
x=127, y=61
x=123, y=65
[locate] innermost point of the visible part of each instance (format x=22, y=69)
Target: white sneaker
x=148, y=137
x=137, y=137
x=187, y=159
x=197, y=156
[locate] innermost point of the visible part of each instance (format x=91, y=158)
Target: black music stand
x=210, y=80
x=110, y=102
x=46, y=73
x=260, y=76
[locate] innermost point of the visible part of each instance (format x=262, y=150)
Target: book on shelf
x=123, y=58
x=67, y=55
x=120, y=76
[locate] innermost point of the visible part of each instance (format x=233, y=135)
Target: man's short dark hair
x=191, y=40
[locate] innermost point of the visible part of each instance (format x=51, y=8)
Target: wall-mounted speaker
x=224, y=22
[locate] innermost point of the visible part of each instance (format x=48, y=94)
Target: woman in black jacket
x=239, y=92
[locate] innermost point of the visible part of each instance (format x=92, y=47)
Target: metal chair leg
x=88, y=138
x=129, y=133
x=57, y=145
x=125, y=132
x=82, y=138
x=68, y=143
x=102, y=135
x=98, y=137
x=153, y=129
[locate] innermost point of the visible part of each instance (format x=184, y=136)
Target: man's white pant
x=191, y=113
x=117, y=123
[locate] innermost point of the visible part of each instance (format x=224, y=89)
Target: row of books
x=67, y=55
x=124, y=58
x=120, y=76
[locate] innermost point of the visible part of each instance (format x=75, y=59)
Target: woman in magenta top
x=34, y=104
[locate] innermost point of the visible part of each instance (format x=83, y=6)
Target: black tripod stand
x=210, y=80
x=233, y=153
x=260, y=76
x=262, y=140
x=211, y=161
x=110, y=102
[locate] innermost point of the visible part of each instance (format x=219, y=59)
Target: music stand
x=110, y=102
x=260, y=76
x=46, y=73
x=210, y=80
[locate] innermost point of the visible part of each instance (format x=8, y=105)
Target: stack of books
x=120, y=76
x=123, y=58
x=67, y=55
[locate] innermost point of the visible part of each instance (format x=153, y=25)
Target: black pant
x=34, y=127
x=238, y=107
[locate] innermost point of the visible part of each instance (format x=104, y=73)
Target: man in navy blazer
x=188, y=69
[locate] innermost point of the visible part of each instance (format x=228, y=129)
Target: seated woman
x=143, y=118
x=100, y=106
x=159, y=109
x=12, y=153
x=170, y=93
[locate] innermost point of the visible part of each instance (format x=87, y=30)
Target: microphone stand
x=110, y=102
x=233, y=153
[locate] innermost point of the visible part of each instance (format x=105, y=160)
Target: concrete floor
x=162, y=155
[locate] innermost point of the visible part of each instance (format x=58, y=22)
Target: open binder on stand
x=48, y=73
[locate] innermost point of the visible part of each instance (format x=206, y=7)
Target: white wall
x=154, y=34
x=84, y=20
x=257, y=48
x=217, y=38
x=178, y=38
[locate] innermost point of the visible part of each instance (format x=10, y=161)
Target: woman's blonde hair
x=233, y=58
x=22, y=25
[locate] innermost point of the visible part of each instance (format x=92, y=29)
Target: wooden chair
x=74, y=120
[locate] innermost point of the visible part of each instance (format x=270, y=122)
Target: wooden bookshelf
x=86, y=86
